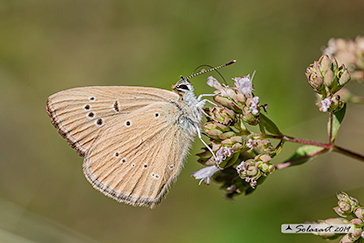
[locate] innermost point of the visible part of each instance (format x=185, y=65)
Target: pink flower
x=325, y=104
x=205, y=173
x=223, y=153
x=253, y=105
x=245, y=85
x=225, y=91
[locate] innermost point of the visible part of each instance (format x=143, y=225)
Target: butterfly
x=133, y=139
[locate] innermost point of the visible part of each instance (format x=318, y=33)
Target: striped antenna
x=209, y=70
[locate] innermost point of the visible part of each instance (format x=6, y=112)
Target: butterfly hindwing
x=136, y=159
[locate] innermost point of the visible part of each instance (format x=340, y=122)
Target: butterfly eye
x=92, y=98
x=183, y=86
x=156, y=114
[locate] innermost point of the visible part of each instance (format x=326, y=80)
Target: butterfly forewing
x=79, y=114
x=137, y=163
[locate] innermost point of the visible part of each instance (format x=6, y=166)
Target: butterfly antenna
x=209, y=70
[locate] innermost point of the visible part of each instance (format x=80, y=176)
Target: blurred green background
x=48, y=46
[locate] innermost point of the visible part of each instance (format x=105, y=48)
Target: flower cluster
x=348, y=52
x=242, y=158
x=240, y=151
x=351, y=212
x=326, y=78
x=252, y=169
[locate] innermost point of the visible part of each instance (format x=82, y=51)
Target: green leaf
x=277, y=150
x=302, y=152
x=338, y=117
x=267, y=124
x=230, y=161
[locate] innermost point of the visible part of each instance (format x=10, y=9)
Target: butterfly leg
x=207, y=146
x=206, y=95
x=212, y=103
x=201, y=105
x=207, y=115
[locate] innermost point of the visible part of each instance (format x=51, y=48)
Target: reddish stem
x=299, y=140
x=292, y=162
x=326, y=147
x=348, y=153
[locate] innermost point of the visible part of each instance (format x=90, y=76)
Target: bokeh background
x=47, y=46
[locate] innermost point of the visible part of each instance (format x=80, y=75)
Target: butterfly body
x=133, y=139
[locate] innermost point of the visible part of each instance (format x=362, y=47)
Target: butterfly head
x=183, y=87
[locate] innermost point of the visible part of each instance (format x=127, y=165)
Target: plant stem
x=295, y=161
x=298, y=140
x=348, y=153
x=326, y=148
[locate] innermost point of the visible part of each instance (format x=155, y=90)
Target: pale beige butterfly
x=134, y=139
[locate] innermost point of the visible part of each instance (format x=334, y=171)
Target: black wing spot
x=116, y=106
x=87, y=107
x=99, y=122
x=91, y=114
